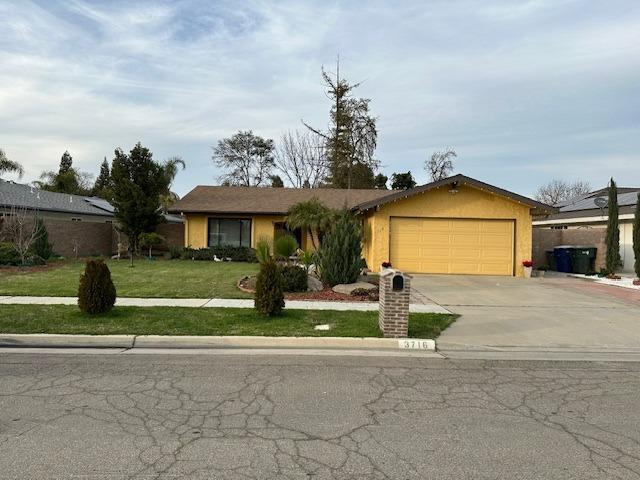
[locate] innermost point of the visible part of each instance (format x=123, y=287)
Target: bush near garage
x=340, y=255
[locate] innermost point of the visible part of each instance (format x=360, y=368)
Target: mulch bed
x=327, y=294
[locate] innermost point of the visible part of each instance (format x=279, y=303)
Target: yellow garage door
x=434, y=245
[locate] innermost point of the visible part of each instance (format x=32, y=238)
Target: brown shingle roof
x=267, y=200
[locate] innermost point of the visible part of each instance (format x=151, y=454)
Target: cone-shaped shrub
x=96, y=293
x=41, y=246
x=269, y=298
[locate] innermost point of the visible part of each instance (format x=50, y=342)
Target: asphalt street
x=315, y=417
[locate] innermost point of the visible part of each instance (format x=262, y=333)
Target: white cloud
x=525, y=90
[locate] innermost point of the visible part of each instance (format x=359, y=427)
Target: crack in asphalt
x=182, y=417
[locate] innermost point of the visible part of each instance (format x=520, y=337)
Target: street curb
x=213, y=342
x=69, y=341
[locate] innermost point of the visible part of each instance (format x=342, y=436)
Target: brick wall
x=173, y=233
x=89, y=238
x=546, y=239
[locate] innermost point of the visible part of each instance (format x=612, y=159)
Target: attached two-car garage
x=448, y=245
x=457, y=225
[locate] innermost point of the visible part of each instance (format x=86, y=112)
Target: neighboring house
x=77, y=225
x=581, y=222
x=456, y=225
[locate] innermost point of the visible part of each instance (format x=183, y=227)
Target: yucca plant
x=307, y=258
x=263, y=250
x=285, y=246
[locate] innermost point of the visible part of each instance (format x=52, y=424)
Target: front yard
x=206, y=321
x=153, y=279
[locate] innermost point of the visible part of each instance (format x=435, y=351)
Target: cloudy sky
x=524, y=90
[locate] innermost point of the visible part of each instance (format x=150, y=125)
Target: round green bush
x=97, y=293
x=294, y=279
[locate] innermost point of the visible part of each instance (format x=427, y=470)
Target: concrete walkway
x=221, y=303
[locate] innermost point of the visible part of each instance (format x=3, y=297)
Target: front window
x=235, y=232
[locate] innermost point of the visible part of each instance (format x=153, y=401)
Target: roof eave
x=538, y=208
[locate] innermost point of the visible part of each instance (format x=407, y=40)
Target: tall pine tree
x=138, y=182
x=351, y=139
x=102, y=186
x=66, y=163
x=66, y=180
x=613, y=260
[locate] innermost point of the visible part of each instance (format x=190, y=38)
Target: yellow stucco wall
x=469, y=202
x=261, y=226
x=264, y=227
x=195, y=231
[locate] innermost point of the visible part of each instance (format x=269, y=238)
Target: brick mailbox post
x=395, y=289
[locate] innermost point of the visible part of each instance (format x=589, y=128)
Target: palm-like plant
x=9, y=166
x=171, y=168
x=285, y=246
x=311, y=216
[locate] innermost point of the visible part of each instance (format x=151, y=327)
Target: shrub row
x=236, y=254
x=9, y=256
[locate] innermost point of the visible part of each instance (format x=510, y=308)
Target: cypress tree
x=636, y=238
x=269, y=298
x=613, y=260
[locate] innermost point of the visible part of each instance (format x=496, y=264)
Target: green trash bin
x=583, y=259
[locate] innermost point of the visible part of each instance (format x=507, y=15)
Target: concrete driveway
x=538, y=312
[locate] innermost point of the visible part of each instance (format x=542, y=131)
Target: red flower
x=527, y=263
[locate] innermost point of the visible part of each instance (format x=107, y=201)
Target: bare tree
x=557, y=191
x=247, y=159
x=21, y=230
x=440, y=165
x=300, y=157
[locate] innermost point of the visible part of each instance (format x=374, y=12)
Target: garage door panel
x=459, y=246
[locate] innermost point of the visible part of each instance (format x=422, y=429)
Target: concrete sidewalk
x=221, y=303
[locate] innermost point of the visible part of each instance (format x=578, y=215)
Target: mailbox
x=397, y=284
x=395, y=295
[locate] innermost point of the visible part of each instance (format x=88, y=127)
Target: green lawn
x=160, y=278
x=206, y=321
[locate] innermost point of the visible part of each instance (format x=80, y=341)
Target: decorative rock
x=313, y=284
x=347, y=288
